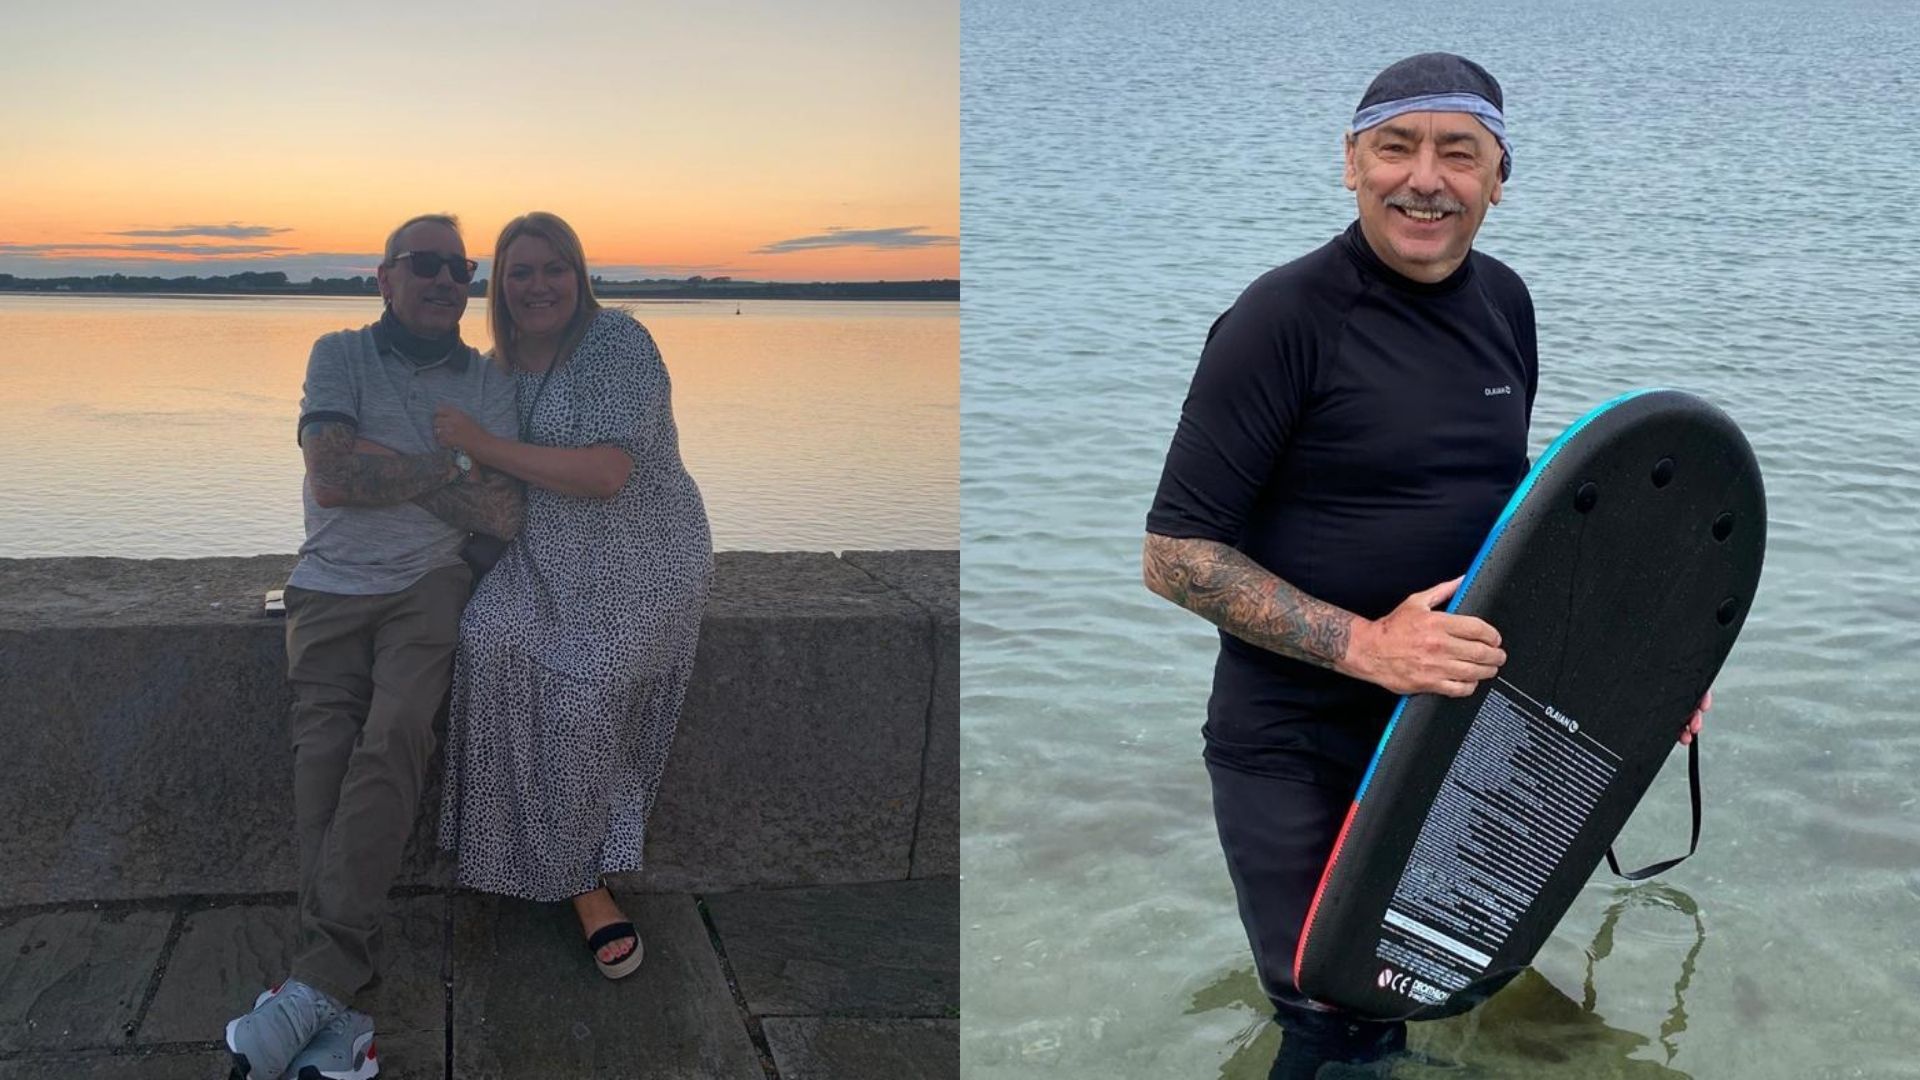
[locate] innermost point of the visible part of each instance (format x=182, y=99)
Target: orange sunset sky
x=764, y=141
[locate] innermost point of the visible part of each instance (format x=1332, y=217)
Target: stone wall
x=143, y=746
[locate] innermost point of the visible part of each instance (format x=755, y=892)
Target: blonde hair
x=566, y=244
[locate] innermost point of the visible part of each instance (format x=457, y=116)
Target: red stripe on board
x=1300, y=950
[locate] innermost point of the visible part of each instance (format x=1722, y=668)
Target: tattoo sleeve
x=1245, y=599
x=491, y=504
x=342, y=477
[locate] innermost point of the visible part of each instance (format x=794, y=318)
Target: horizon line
x=721, y=279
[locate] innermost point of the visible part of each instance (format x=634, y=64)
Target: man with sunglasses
x=373, y=616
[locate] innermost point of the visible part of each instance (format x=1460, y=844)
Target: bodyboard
x=1618, y=575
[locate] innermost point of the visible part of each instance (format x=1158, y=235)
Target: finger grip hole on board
x=1662, y=472
x=1586, y=497
x=1728, y=609
x=1723, y=526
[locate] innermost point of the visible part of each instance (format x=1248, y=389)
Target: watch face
x=461, y=459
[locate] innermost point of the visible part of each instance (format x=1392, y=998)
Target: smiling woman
x=540, y=304
x=541, y=288
x=576, y=649
x=539, y=294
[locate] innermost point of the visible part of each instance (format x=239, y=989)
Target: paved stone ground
x=852, y=981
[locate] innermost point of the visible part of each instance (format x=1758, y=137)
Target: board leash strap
x=1693, y=785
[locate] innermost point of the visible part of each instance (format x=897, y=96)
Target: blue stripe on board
x=1486, y=546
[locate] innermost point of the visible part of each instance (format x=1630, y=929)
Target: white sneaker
x=284, y=1019
x=343, y=1050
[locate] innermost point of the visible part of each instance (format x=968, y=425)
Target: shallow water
x=153, y=427
x=1709, y=197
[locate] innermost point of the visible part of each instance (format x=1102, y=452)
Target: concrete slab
x=110, y=593
x=410, y=995
x=417, y=1055
x=75, y=979
x=931, y=579
x=888, y=950
x=799, y=753
x=928, y=578
x=226, y=955
x=154, y=762
x=786, y=584
x=936, y=839
x=407, y=1056
x=146, y=761
x=528, y=1001
x=171, y=1064
x=821, y=1048
x=224, y=958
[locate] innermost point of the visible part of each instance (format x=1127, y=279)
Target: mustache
x=1426, y=204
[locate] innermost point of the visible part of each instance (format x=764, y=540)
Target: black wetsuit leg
x=1277, y=835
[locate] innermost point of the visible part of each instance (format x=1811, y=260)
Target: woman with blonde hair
x=576, y=647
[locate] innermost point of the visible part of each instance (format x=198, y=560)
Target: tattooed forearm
x=1238, y=595
x=342, y=477
x=491, y=504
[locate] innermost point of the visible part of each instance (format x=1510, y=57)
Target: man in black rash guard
x=1357, y=421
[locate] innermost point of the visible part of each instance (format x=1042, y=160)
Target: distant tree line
x=274, y=282
x=270, y=282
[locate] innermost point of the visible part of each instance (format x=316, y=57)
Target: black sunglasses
x=427, y=264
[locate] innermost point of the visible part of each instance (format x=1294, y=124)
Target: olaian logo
x=1386, y=978
x=1495, y=391
x=1565, y=721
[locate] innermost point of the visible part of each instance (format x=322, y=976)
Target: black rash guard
x=1355, y=432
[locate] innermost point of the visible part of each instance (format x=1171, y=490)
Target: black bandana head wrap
x=1436, y=82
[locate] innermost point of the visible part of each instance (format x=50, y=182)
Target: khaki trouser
x=369, y=673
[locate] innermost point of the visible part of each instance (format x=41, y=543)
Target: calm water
x=163, y=427
x=1717, y=197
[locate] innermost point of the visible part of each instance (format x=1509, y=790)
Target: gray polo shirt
x=388, y=398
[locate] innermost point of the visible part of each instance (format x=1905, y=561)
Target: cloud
x=657, y=271
x=230, y=230
x=142, y=251
x=897, y=239
x=63, y=260
x=160, y=256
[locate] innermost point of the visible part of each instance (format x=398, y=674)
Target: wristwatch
x=465, y=464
